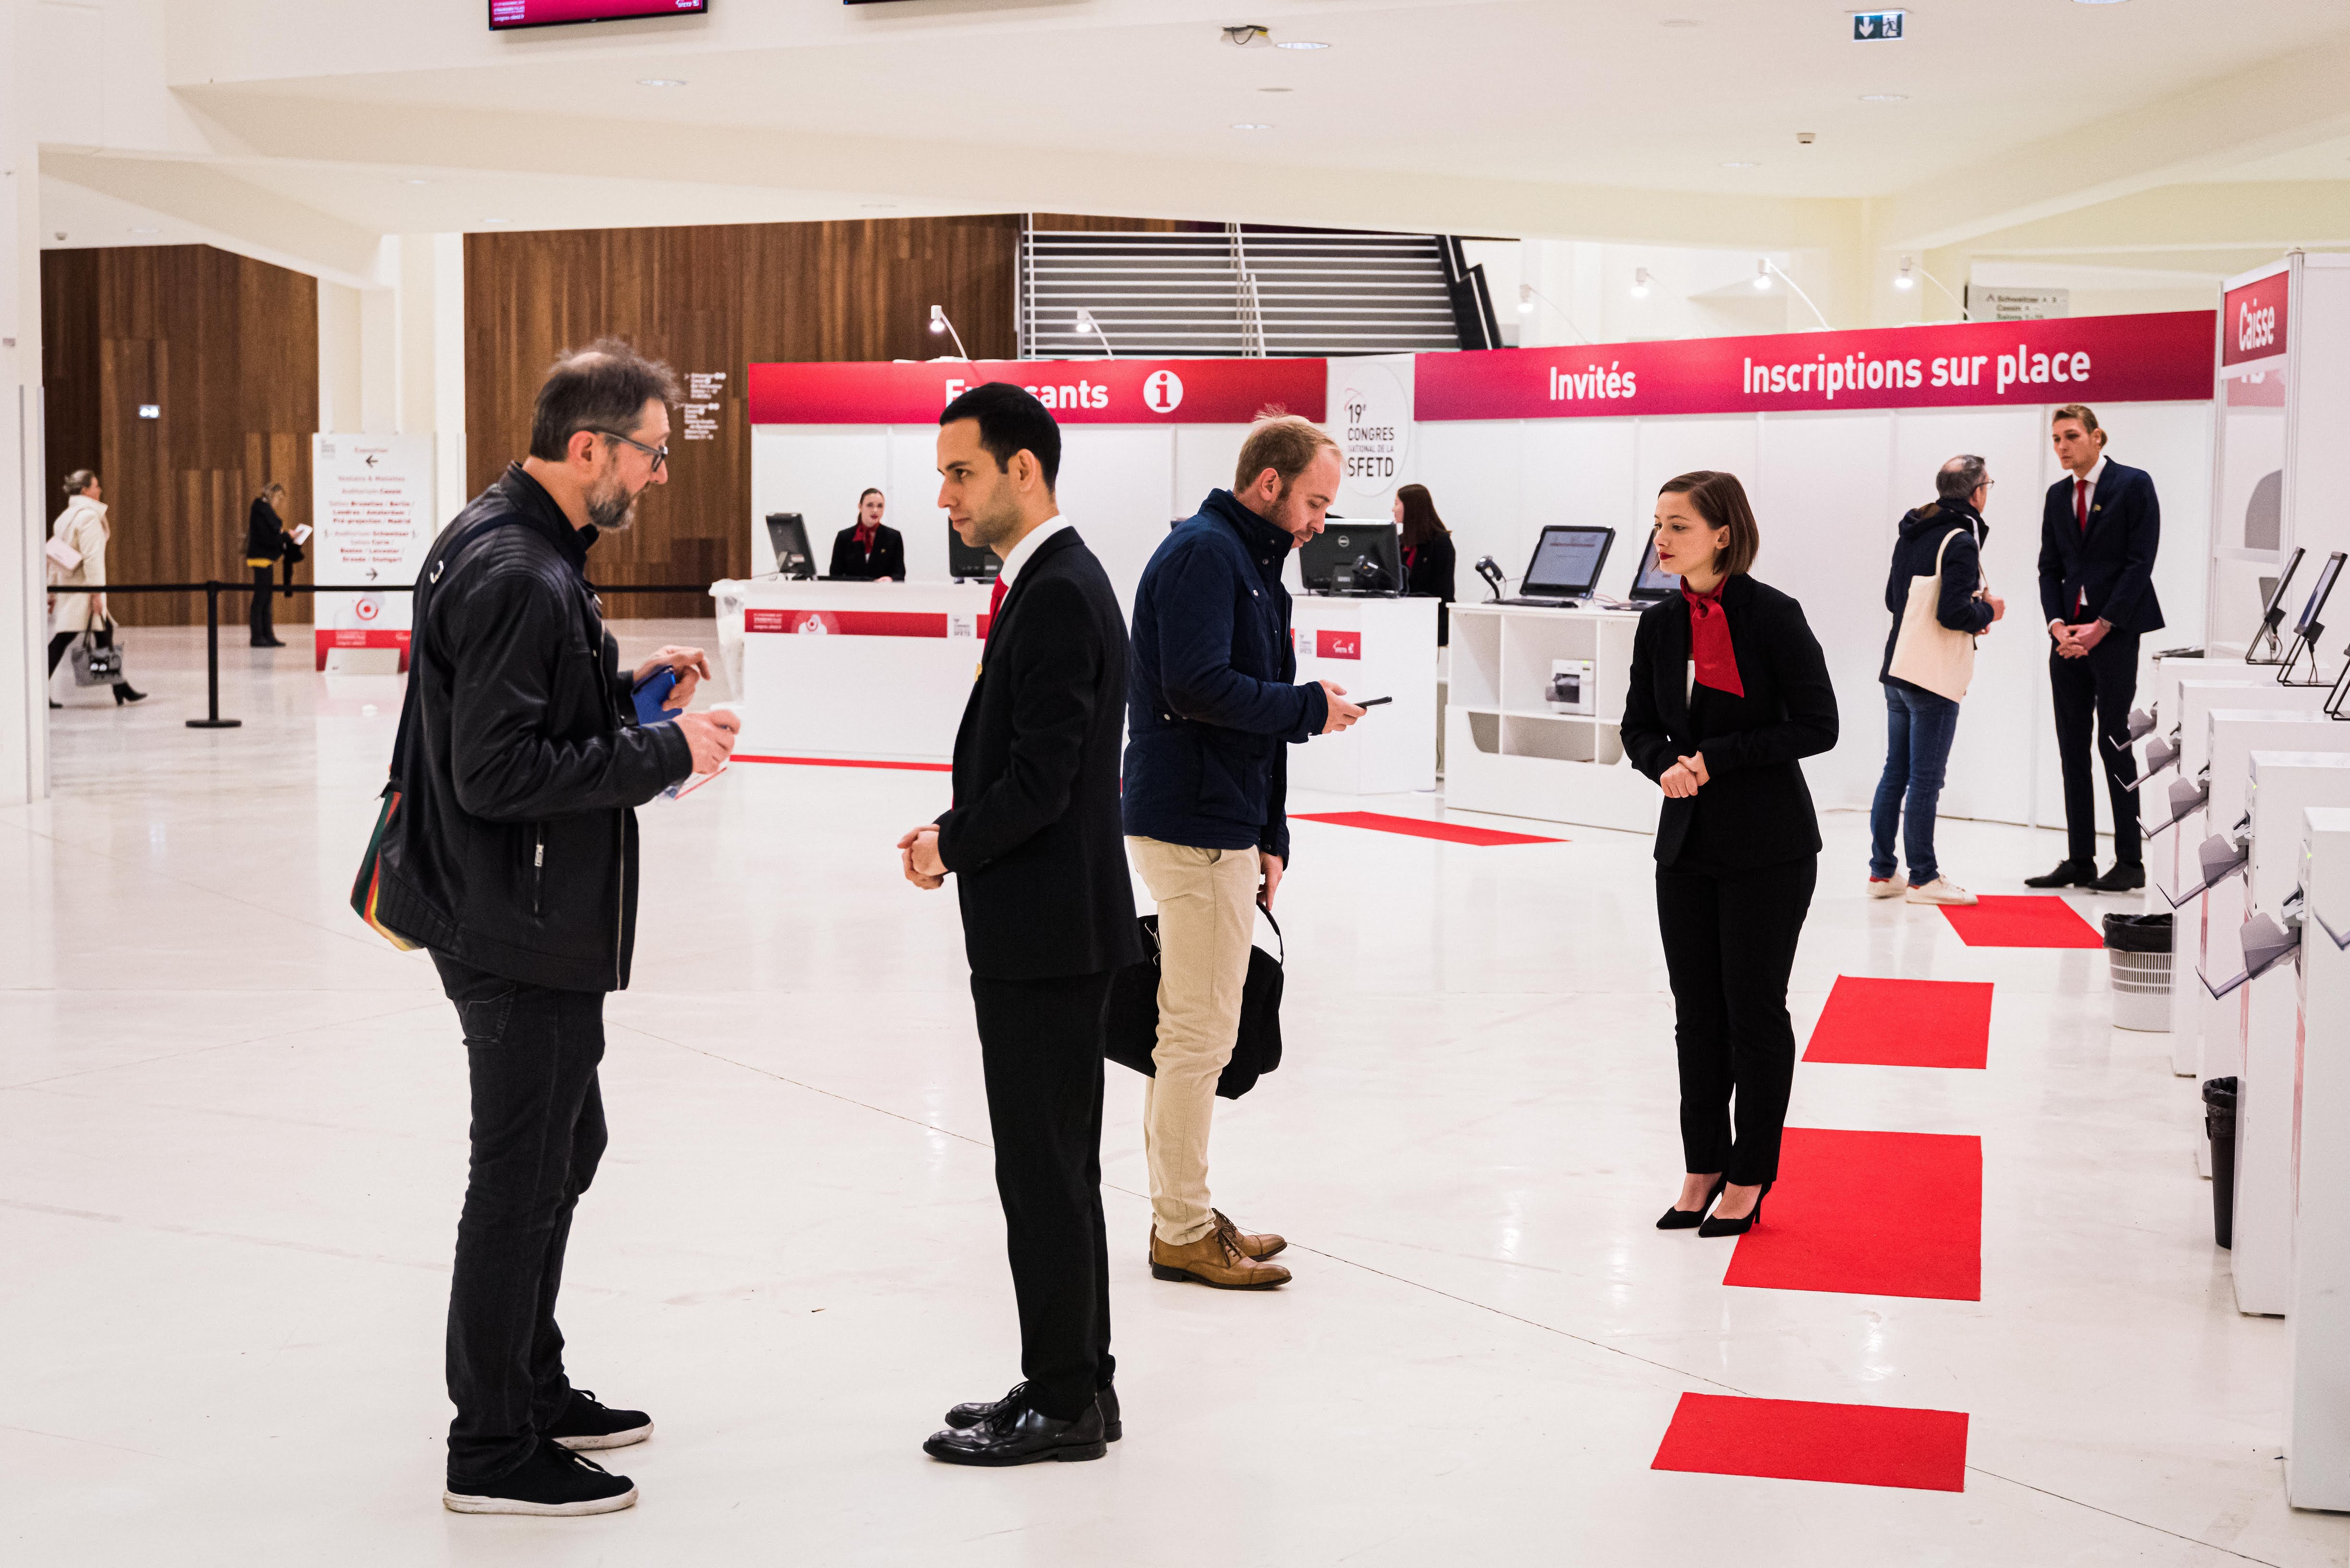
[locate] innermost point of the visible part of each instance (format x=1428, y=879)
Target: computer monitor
x=1349, y=556
x=1651, y=585
x=970, y=563
x=2318, y=595
x=1566, y=562
x=787, y=532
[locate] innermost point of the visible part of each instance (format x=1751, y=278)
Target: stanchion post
x=212, y=721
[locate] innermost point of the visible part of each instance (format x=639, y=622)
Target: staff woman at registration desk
x=1728, y=690
x=872, y=549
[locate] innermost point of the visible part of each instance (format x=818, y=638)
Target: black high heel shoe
x=1679, y=1218
x=1737, y=1227
x=123, y=693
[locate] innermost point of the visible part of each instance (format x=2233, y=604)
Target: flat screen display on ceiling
x=505, y=14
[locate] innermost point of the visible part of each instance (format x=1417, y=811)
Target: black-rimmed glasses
x=660, y=454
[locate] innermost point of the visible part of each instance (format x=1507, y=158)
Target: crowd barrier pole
x=212, y=590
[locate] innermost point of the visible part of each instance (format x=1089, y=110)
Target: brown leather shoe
x=1213, y=1260
x=1259, y=1247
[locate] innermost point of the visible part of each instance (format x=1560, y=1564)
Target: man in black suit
x=872, y=549
x=2098, y=534
x=1037, y=849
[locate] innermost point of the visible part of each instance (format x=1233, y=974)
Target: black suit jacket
x=1755, y=809
x=2114, y=562
x=1035, y=837
x=885, y=559
x=1430, y=576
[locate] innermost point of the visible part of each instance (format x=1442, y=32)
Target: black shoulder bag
x=1130, y=1022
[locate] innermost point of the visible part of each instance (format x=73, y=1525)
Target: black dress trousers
x=1730, y=943
x=537, y=1137
x=2092, y=698
x=258, y=618
x=1040, y=1049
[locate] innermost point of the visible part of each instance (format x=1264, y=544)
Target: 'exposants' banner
x=2157, y=358
x=1079, y=391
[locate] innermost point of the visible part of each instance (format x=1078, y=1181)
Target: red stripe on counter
x=853, y=623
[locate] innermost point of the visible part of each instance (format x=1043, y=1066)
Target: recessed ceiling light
x=147, y=231
x=1276, y=89
x=416, y=181
x=497, y=220
x=1250, y=125
x=2096, y=2
x=878, y=206
x=658, y=81
x=1680, y=22
x=1737, y=166
x=1299, y=44
x=1884, y=98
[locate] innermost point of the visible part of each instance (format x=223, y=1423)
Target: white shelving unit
x=1506, y=752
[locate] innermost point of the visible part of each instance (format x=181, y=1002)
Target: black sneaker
x=2122, y=878
x=2068, y=874
x=963, y=1417
x=554, y=1482
x=588, y=1424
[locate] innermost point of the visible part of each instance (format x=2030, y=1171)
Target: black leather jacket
x=514, y=846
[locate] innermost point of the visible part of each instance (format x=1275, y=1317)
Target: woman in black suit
x=871, y=550
x=1428, y=557
x=1729, y=691
x=268, y=540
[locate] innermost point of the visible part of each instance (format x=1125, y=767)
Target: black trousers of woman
x=265, y=634
x=1730, y=942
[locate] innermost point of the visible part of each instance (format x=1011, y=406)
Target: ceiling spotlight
x=1525, y=299
x=1086, y=323
x=1903, y=279
x=1300, y=44
x=939, y=324
x=658, y=81
x=1250, y=125
x=1884, y=98
x=1639, y=283
x=1762, y=274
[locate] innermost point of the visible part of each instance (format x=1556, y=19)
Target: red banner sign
x=851, y=623
x=2158, y=357
x=1328, y=644
x=1079, y=391
x=2253, y=319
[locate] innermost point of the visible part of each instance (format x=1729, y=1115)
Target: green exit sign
x=1873, y=26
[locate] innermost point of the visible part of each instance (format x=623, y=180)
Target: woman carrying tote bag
x=77, y=561
x=1940, y=605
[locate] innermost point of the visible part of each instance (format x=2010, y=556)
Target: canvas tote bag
x=1928, y=654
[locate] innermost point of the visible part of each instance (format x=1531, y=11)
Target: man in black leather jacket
x=512, y=857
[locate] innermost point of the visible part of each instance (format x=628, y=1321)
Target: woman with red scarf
x=870, y=550
x=1728, y=691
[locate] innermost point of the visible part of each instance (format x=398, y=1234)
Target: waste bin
x=2138, y=949
x=2219, y=1126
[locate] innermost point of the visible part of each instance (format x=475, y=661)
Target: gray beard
x=612, y=512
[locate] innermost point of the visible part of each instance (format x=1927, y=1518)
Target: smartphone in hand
x=1373, y=702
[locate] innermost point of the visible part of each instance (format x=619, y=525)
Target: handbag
x=1926, y=653
x=1130, y=1020
x=96, y=663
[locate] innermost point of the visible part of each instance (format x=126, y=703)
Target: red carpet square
x=1793, y=1439
x=1869, y=1213
x=2033, y=922
x=1904, y=1024
x=1420, y=828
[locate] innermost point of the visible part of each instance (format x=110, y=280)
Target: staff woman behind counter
x=1728, y=690
x=871, y=550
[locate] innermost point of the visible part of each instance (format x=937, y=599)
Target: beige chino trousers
x=1206, y=920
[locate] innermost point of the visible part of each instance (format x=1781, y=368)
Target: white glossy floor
x=232, y=1144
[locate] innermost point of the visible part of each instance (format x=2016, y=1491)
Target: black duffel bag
x=1130, y=1023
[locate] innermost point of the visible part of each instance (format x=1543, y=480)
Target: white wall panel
x=1115, y=484
x=1474, y=473
x=913, y=493
x=1204, y=459
x=816, y=471
x=1580, y=473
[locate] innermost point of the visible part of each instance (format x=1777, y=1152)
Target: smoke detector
x=1806, y=138
x=1247, y=36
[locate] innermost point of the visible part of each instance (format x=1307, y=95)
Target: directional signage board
x=371, y=504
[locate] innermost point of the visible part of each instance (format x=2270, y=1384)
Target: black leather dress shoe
x=2068, y=874
x=964, y=1416
x=1021, y=1437
x=2122, y=878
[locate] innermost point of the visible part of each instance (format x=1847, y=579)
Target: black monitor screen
x=2317, y=596
x=1342, y=542
x=1652, y=584
x=788, y=533
x=1567, y=560
x=970, y=561
x=2272, y=610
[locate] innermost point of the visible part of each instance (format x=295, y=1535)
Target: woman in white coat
x=79, y=534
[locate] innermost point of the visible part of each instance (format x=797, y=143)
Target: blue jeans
x=1918, y=728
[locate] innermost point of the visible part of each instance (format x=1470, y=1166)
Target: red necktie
x=1710, y=644
x=995, y=601
x=2081, y=504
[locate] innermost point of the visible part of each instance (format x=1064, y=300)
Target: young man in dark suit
x=2098, y=534
x=872, y=549
x=1037, y=850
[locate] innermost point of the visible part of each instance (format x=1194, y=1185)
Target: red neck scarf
x=865, y=538
x=1717, y=661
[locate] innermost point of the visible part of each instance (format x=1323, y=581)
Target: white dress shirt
x=1027, y=547
x=2079, y=509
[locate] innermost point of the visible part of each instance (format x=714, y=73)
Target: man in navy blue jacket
x=1211, y=711
x=2098, y=534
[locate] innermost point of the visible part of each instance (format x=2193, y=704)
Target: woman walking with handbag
x=76, y=559
x=1940, y=604
x=1729, y=691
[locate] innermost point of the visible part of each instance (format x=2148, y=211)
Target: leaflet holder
x=2222, y=856
x=2186, y=798
x=2266, y=943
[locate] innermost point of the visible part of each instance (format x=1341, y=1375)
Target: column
x=24, y=708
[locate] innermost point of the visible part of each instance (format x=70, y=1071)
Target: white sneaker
x=1887, y=887
x=1941, y=890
